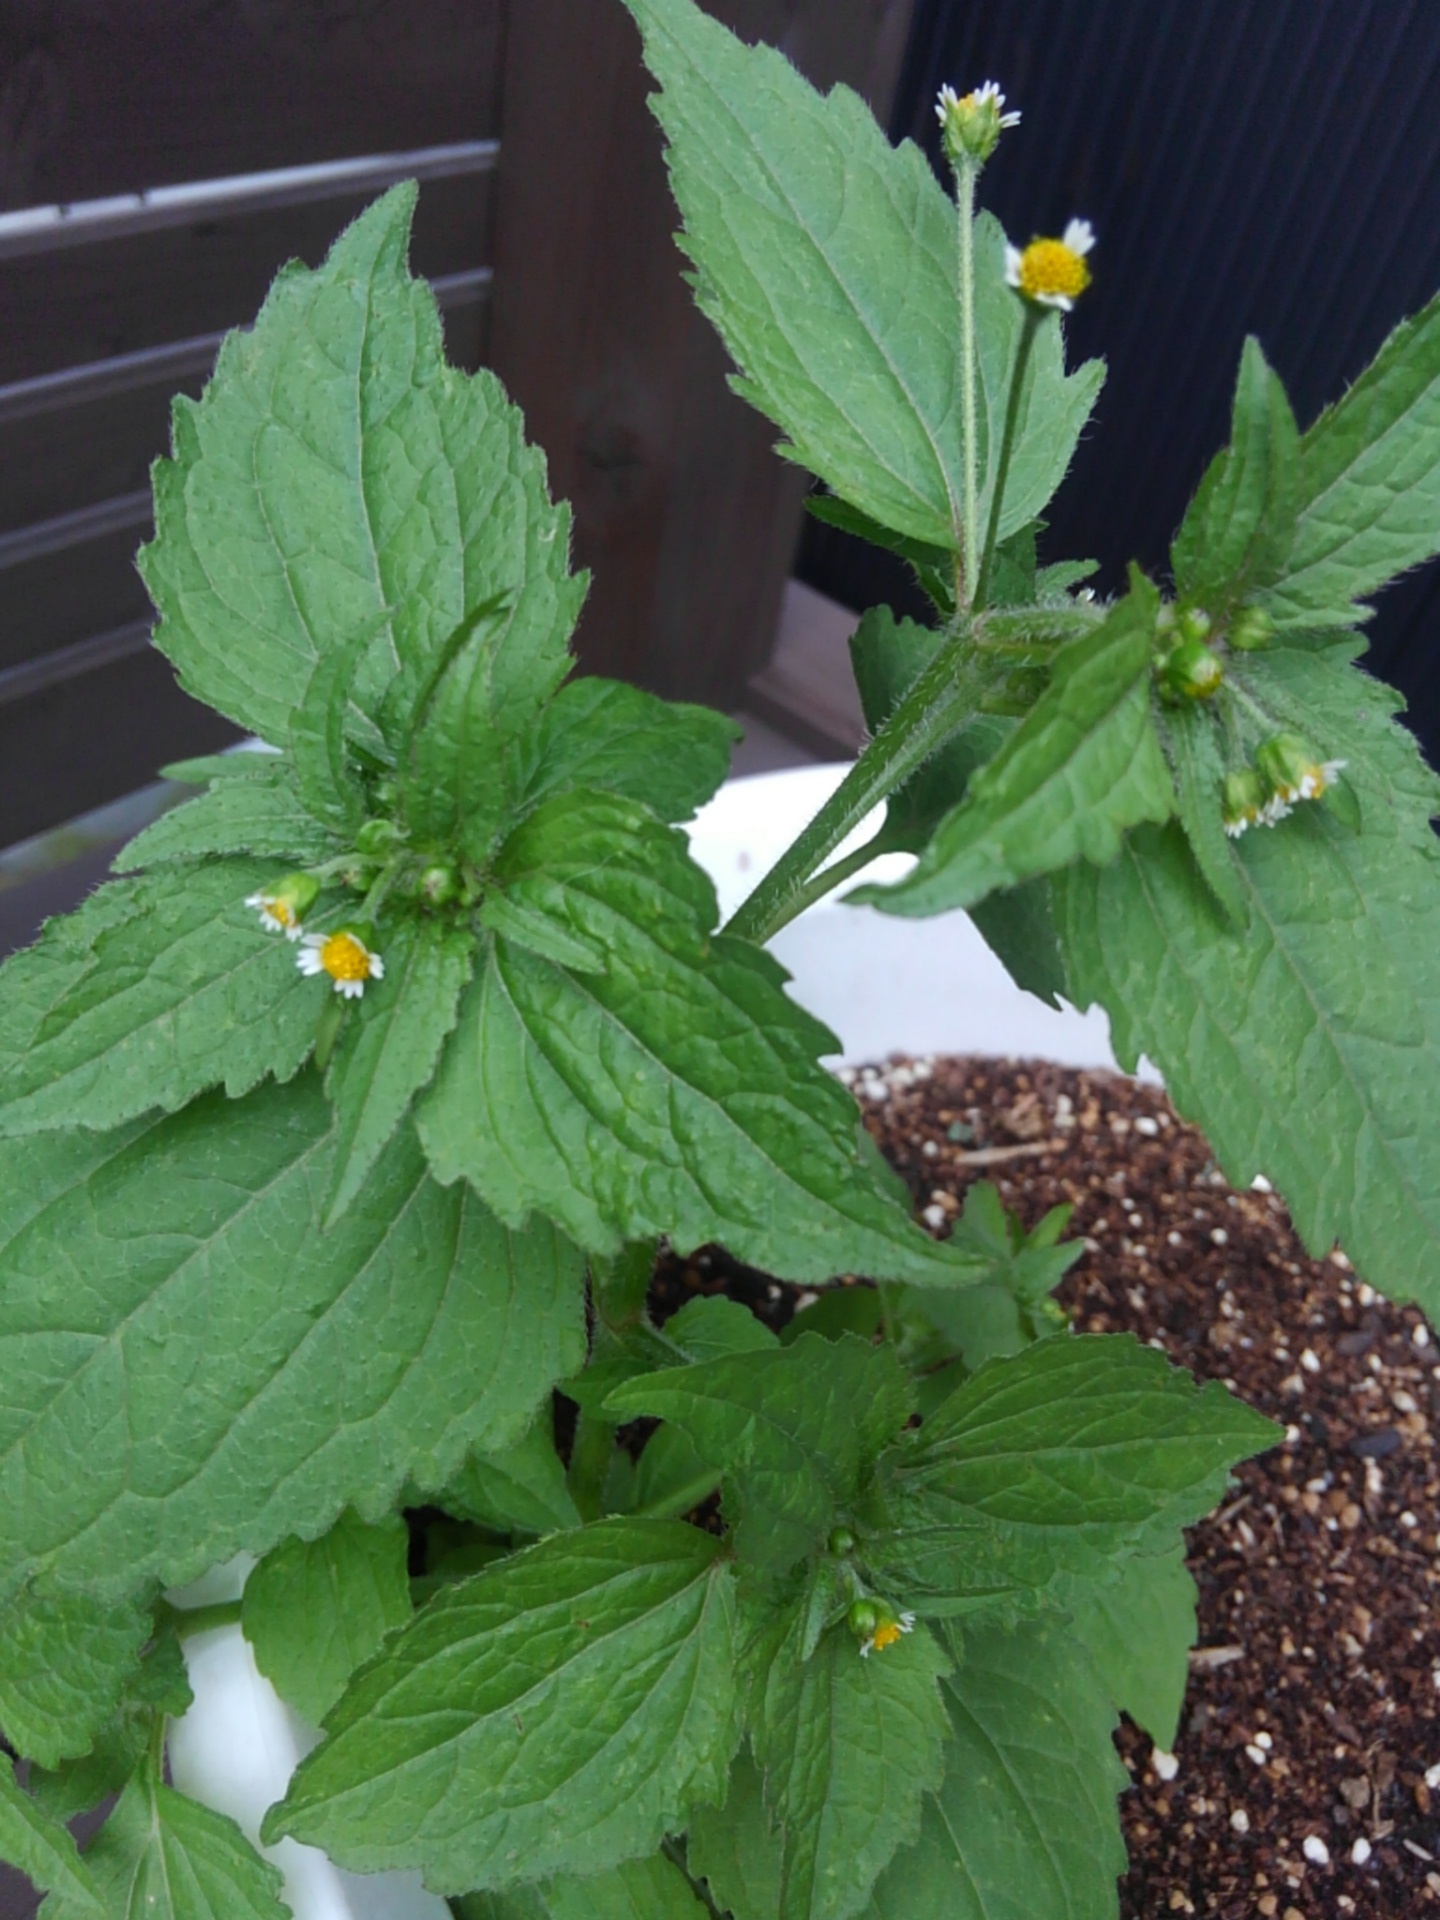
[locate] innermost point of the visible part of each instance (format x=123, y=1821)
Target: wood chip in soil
x=1307, y=1782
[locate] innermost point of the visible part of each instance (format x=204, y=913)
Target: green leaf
x=44, y=1852
x=455, y=780
x=336, y=468
x=602, y=734
x=828, y=262
x=1054, y=1461
x=1198, y=764
x=794, y=1430
x=245, y=762
x=559, y=1713
x=933, y=567
x=65, y=1658
x=392, y=1044
x=260, y=814
x=521, y=1490
x=675, y=1093
x=710, y=1327
x=327, y=782
x=1369, y=487
x=1012, y=1306
x=161, y=1856
x=1084, y=765
x=159, y=1685
x=189, y=1368
x=1240, y=525
x=184, y=991
x=653, y=1889
x=846, y=1746
x=1025, y=1824
x=736, y=1850
x=315, y=1610
x=1138, y=1628
x=1309, y=1047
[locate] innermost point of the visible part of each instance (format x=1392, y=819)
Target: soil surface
x=1306, y=1778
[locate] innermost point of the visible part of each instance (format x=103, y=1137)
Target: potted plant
x=342, y=1130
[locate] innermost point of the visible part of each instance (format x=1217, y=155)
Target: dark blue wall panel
x=1265, y=166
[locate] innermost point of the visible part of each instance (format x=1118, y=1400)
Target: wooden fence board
x=115, y=96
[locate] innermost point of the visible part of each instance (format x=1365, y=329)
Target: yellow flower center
x=1049, y=268
x=280, y=910
x=345, y=958
x=886, y=1634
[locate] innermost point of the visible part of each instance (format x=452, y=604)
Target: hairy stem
x=1028, y=330
x=622, y=1284
x=590, y=1463
x=942, y=699
x=188, y=1620
x=966, y=174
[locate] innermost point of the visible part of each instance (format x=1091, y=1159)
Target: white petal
x=308, y=960
x=1060, y=300
x=1009, y=119
x=255, y=900
x=1079, y=236
x=377, y=966
x=293, y=932
x=316, y=940
x=1012, y=265
x=351, y=989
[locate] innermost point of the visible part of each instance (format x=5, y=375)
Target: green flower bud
x=1294, y=771
x=841, y=1542
x=438, y=885
x=1192, y=671
x=282, y=907
x=387, y=796
x=1251, y=629
x=1243, y=803
x=862, y=1618
x=377, y=838
x=1192, y=623
x=971, y=124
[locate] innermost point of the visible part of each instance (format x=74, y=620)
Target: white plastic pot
x=883, y=985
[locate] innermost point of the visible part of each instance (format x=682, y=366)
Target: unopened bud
x=378, y=838
x=1192, y=623
x=1191, y=671
x=1243, y=802
x=971, y=124
x=1294, y=770
x=1251, y=629
x=438, y=885
x=862, y=1618
x=841, y=1542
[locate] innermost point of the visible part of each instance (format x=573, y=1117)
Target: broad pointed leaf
x=259, y=814
x=161, y=1856
x=65, y=1658
x=710, y=1327
x=618, y=739
x=1369, y=487
x=184, y=991
x=736, y=1850
x=159, y=1686
x=795, y=1431
x=559, y=1713
x=1053, y=1461
x=846, y=1746
x=336, y=468
x=315, y=1610
x=1240, y=526
x=44, y=1852
x=1308, y=1048
x=392, y=1045
x=1025, y=1823
x=1138, y=1628
x=522, y=1490
x=828, y=262
x=653, y=1889
x=455, y=778
x=189, y=1367
x=676, y=1092
x=1083, y=767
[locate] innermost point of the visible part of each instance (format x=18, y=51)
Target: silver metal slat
x=68, y=663
x=36, y=230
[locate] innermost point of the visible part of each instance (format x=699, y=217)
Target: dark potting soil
x=1305, y=1781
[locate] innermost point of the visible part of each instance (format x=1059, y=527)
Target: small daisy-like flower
x=345, y=957
x=1294, y=772
x=1052, y=273
x=282, y=907
x=1244, y=802
x=888, y=1629
x=971, y=123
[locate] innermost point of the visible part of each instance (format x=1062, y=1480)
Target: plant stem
x=188, y=1620
x=942, y=699
x=622, y=1285
x=590, y=1463
x=828, y=878
x=966, y=174
x=157, y=1750
x=681, y=1500
x=1029, y=328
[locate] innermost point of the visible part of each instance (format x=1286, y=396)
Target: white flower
x=276, y=915
x=971, y=123
x=888, y=1630
x=345, y=957
x=1052, y=273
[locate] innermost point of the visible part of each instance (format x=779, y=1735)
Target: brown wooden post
x=684, y=512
